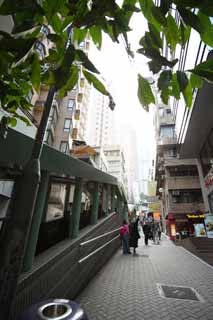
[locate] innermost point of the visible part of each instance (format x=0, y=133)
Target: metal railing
x=99, y=248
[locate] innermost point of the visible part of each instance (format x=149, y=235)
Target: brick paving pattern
x=127, y=287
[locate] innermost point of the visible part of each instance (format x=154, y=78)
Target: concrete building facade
x=178, y=182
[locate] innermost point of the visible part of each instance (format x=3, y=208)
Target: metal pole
x=17, y=230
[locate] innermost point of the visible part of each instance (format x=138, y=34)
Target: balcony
x=39, y=106
x=77, y=114
x=80, y=97
x=166, y=120
x=167, y=141
x=74, y=133
x=185, y=182
x=186, y=207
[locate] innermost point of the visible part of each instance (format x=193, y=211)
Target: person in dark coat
x=134, y=235
x=146, y=231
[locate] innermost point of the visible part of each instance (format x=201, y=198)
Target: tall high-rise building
x=102, y=121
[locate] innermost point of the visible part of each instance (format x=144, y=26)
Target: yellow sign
x=173, y=230
x=195, y=216
x=156, y=216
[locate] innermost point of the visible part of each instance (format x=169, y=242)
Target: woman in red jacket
x=124, y=233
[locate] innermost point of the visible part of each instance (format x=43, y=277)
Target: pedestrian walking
x=159, y=232
x=134, y=235
x=146, y=231
x=124, y=234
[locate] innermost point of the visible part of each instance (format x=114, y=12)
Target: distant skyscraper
x=102, y=130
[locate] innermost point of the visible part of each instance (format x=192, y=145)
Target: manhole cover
x=179, y=292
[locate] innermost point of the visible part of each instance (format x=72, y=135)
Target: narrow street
x=128, y=287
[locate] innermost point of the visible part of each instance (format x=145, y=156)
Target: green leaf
x=56, y=23
x=196, y=81
x=10, y=7
x=204, y=70
x=207, y=27
x=165, y=6
x=146, y=8
x=157, y=58
x=145, y=94
x=155, y=36
x=51, y=7
x=81, y=56
x=182, y=80
x=185, y=87
x=184, y=33
x=36, y=73
x=164, y=81
x=175, y=87
x=154, y=67
x=172, y=32
x=79, y=35
x=206, y=6
x=190, y=19
x=96, y=35
x=71, y=81
x=96, y=83
x=187, y=93
x=159, y=17
x=11, y=121
x=165, y=93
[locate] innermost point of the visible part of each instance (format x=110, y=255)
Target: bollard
x=55, y=309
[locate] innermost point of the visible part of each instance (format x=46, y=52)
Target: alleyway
x=127, y=287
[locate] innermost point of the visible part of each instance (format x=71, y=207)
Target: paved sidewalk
x=127, y=287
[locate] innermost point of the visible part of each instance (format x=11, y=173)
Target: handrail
x=98, y=249
x=98, y=237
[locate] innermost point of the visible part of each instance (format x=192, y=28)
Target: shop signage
x=156, y=215
x=209, y=225
x=195, y=216
x=173, y=230
x=209, y=179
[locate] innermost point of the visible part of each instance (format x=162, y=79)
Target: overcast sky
x=120, y=72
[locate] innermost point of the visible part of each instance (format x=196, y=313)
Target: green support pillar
x=125, y=212
x=95, y=203
x=113, y=199
x=36, y=222
x=119, y=206
x=109, y=199
x=105, y=199
x=76, y=209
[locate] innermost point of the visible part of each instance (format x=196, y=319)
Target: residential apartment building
x=68, y=118
x=101, y=128
x=116, y=164
x=178, y=182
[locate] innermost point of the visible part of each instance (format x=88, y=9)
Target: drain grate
x=179, y=292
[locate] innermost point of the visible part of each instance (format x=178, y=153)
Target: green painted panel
x=16, y=149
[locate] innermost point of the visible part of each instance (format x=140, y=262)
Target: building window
x=183, y=171
x=45, y=30
x=187, y=196
x=71, y=105
x=167, y=131
x=50, y=139
x=30, y=96
x=82, y=45
x=64, y=146
x=205, y=158
x=40, y=48
x=67, y=125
